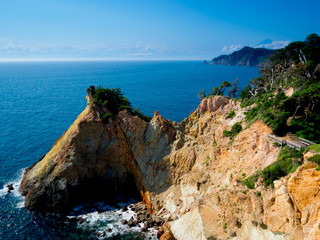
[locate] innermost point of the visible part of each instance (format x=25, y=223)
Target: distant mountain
x=246, y=56
x=266, y=41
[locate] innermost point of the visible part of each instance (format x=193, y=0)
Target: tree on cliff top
x=114, y=100
x=216, y=91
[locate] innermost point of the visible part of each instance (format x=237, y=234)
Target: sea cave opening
x=111, y=192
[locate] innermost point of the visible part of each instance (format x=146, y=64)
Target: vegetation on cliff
x=231, y=114
x=115, y=102
x=288, y=161
x=287, y=98
x=235, y=129
x=295, y=67
x=316, y=159
x=219, y=91
x=315, y=148
x=287, y=94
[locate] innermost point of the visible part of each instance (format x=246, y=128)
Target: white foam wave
x=108, y=224
x=15, y=192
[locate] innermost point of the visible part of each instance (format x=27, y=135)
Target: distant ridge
x=246, y=56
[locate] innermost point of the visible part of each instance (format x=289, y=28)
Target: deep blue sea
x=40, y=100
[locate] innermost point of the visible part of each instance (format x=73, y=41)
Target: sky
x=149, y=29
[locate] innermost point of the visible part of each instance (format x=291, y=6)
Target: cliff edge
x=189, y=173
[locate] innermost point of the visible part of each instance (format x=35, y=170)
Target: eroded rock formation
x=94, y=159
x=187, y=173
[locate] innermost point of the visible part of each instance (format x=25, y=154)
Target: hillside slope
x=246, y=56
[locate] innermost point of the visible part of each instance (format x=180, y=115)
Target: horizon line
x=4, y=60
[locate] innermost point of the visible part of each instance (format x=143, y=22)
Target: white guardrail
x=297, y=145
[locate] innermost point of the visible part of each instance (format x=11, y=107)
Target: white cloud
x=231, y=48
x=274, y=45
x=154, y=47
x=13, y=48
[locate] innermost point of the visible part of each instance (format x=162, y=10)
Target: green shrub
x=306, y=129
x=314, y=147
x=235, y=129
x=277, y=144
x=250, y=115
x=231, y=114
x=207, y=160
x=245, y=95
x=315, y=158
x=272, y=110
x=202, y=94
x=288, y=161
x=224, y=226
x=114, y=101
x=138, y=113
x=271, y=173
x=286, y=70
x=250, y=181
x=259, y=195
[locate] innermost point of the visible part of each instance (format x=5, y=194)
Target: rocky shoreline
x=188, y=175
x=133, y=218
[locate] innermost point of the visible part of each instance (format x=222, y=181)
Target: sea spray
x=97, y=220
x=103, y=221
x=18, y=198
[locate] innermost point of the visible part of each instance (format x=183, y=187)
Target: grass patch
x=314, y=147
x=207, y=160
x=235, y=129
x=250, y=181
x=224, y=226
x=271, y=109
x=276, y=144
x=259, y=195
x=231, y=114
x=288, y=161
x=315, y=159
x=214, y=144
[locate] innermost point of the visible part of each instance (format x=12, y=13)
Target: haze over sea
x=40, y=100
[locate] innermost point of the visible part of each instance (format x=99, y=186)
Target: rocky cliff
x=187, y=173
x=246, y=56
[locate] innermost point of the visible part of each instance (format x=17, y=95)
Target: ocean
x=40, y=100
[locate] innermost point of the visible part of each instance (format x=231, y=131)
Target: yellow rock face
x=304, y=186
x=187, y=173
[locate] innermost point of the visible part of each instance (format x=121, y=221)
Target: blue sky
x=141, y=29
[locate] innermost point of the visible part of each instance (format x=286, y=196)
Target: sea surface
x=40, y=100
